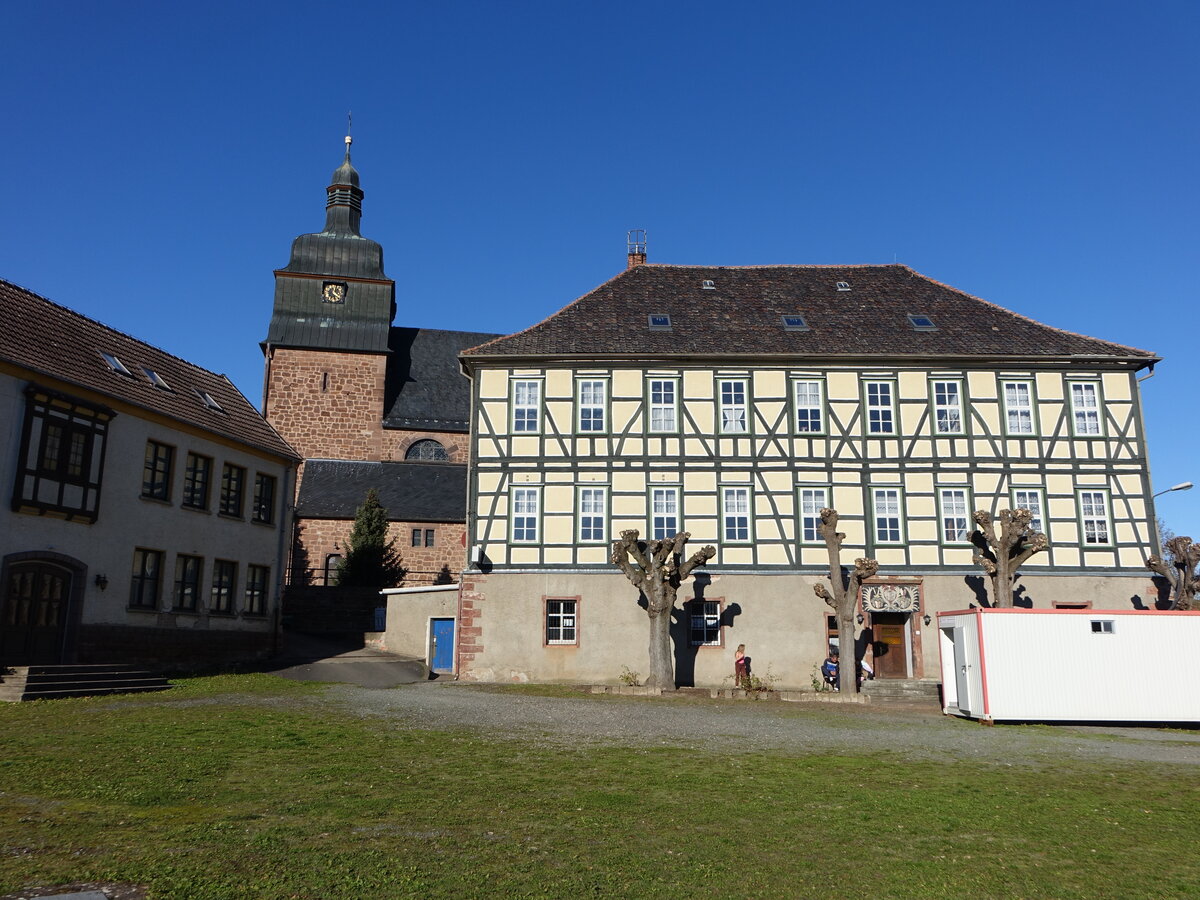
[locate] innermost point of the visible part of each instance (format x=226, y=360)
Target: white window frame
x=1091, y=497
x=666, y=411
x=1038, y=523
x=809, y=502
x=739, y=518
x=526, y=406
x=731, y=407
x=597, y=421
x=873, y=407
x=945, y=514
x=708, y=614
x=880, y=517
x=1024, y=422
x=948, y=406
x=1086, y=407
x=808, y=385
x=564, y=619
x=669, y=510
x=521, y=499
x=592, y=520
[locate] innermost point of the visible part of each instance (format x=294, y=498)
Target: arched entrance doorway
x=35, y=611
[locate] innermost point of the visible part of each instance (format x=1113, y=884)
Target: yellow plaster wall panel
x=558, y=530
x=1131, y=557
x=696, y=447
x=496, y=420
x=524, y=556
x=558, y=556
x=553, y=449
x=776, y=482
x=631, y=482
x=628, y=507
x=1059, y=484
x=560, y=383
x=526, y=477
x=702, y=505
x=628, y=383
x=913, y=385
x=843, y=385
x=488, y=481
x=773, y=555
x=1066, y=556
x=731, y=555
x=924, y=555
x=1092, y=478
x=769, y=383
x=561, y=413
x=1124, y=531
x=890, y=556
x=918, y=482
x=848, y=501
x=981, y=385
x=698, y=384
x=958, y=556
x=1049, y=386
x=591, y=555
x=703, y=530
x=1116, y=387
x=1098, y=558
x=493, y=383
x=558, y=498
x=1061, y=450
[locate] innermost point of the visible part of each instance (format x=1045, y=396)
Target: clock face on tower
x=333, y=292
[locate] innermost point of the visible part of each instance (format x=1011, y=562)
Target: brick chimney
x=635, y=242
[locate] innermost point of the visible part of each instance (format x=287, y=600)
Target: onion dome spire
x=343, y=204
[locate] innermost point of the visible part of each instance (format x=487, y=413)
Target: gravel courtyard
x=902, y=732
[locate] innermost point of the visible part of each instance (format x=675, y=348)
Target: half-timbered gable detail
x=736, y=403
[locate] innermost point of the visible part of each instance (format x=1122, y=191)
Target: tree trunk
x=662, y=670
x=847, y=661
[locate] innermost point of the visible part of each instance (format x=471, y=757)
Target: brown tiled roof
x=742, y=315
x=53, y=341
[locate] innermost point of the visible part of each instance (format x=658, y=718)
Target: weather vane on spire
x=349, y=140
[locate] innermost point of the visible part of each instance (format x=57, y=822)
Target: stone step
x=50, y=682
x=902, y=690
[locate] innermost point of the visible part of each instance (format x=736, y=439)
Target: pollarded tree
x=1181, y=568
x=371, y=559
x=844, y=599
x=657, y=569
x=1002, y=555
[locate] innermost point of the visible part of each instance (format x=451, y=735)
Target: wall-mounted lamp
x=861, y=618
x=928, y=618
x=102, y=581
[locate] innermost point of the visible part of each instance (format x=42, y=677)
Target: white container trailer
x=1062, y=665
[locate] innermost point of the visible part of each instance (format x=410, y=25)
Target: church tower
x=327, y=344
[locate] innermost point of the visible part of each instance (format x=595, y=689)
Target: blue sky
x=161, y=157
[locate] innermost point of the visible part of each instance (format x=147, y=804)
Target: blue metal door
x=441, y=653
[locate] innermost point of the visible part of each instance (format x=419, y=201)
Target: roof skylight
x=115, y=364
x=660, y=321
x=155, y=379
x=207, y=399
x=794, y=322
x=708, y=284
x=921, y=322
x=843, y=285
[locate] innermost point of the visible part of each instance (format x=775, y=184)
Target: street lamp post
x=1182, y=486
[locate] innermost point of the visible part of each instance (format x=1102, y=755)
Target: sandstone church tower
x=364, y=403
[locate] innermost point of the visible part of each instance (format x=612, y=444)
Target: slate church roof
x=851, y=312
x=425, y=388
x=52, y=342
x=410, y=491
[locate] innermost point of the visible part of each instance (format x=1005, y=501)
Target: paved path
x=308, y=658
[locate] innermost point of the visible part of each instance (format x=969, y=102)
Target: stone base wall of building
x=319, y=539
x=503, y=625
x=173, y=649
x=330, y=610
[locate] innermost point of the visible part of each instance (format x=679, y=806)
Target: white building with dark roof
x=150, y=502
x=737, y=402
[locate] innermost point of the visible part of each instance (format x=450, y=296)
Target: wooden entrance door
x=33, y=616
x=890, y=644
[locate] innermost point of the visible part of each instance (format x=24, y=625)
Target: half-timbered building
x=735, y=403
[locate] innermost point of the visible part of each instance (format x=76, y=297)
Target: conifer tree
x=371, y=559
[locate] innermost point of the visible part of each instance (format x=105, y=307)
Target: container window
x=1102, y=626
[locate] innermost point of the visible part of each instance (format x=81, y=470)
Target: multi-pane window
x=956, y=523
x=427, y=450
x=429, y=537
x=1093, y=514
x=812, y=501
x=147, y=577
x=591, y=406
x=733, y=407
x=663, y=405
x=416, y=537
x=156, y=474
x=1032, y=501
x=947, y=407
x=664, y=513
x=1018, y=407
x=196, y=478
x=525, y=514
x=560, y=621
x=735, y=509
x=333, y=562
x=257, y=578
x=233, y=485
x=264, y=498
x=809, y=406
x=187, y=583
x=887, y=515
x=422, y=537
x=62, y=453
x=1085, y=407
x=527, y=403
x=881, y=412
x=591, y=515
x=223, y=581
x=705, y=618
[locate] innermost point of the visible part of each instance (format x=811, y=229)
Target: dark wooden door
x=34, y=614
x=890, y=644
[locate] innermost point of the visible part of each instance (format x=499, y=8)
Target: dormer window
x=660, y=322
x=843, y=285
x=209, y=402
x=794, y=322
x=155, y=379
x=921, y=323
x=115, y=364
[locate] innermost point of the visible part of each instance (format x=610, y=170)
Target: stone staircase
x=19, y=683
x=903, y=690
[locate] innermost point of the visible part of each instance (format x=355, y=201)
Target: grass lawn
x=238, y=786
